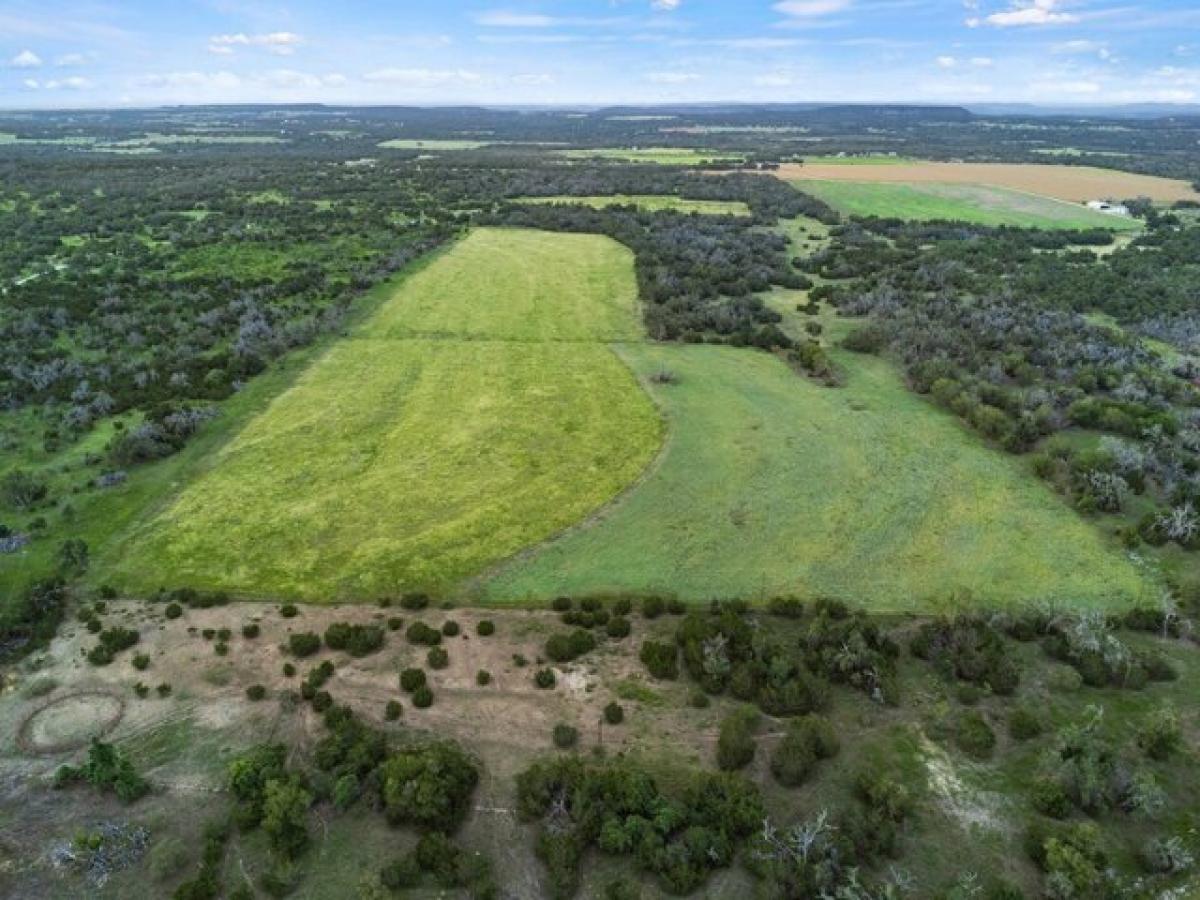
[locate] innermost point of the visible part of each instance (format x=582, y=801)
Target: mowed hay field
x=978, y=204
x=652, y=203
x=479, y=410
x=1072, y=183
x=771, y=483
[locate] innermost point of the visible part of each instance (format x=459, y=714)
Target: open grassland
x=978, y=204
x=666, y=156
x=478, y=411
x=1073, y=183
x=771, y=483
x=652, y=203
x=411, y=144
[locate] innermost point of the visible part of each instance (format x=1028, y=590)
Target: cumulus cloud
x=26, y=59
x=947, y=62
x=666, y=5
x=1025, y=13
x=281, y=43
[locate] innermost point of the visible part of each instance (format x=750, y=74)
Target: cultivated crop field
x=478, y=411
x=978, y=204
x=773, y=484
x=1073, y=183
x=652, y=203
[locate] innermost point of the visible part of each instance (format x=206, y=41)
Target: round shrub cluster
x=411, y=679
x=422, y=697
x=438, y=658
x=544, y=678
x=486, y=628
x=614, y=713
x=565, y=736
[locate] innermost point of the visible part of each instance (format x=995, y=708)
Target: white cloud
x=1027, y=12
x=281, y=43
x=982, y=62
x=666, y=5
x=423, y=77
x=70, y=59
x=808, y=9
x=947, y=62
x=26, y=59
x=31, y=84
x=74, y=83
x=672, y=77
x=193, y=80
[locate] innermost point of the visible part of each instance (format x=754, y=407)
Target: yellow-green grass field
x=977, y=204
x=771, y=483
x=478, y=411
x=666, y=156
x=652, y=203
x=412, y=144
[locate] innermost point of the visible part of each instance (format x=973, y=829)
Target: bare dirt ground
x=1075, y=183
x=55, y=702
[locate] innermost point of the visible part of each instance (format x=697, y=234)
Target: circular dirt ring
x=70, y=722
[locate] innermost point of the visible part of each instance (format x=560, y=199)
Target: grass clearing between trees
x=1077, y=184
x=652, y=203
x=664, y=156
x=771, y=483
x=479, y=410
x=977, y=204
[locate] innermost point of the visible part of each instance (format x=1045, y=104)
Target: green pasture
x=651, y=203
x=771, y=483
x=665, y=156
x=977, y=204
x=409, y=144
x=476, y=412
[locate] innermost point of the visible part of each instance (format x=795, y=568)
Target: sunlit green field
x=771, y=483
x=478, y=411
x=652, y=203
x=977, y=204
x=409, y=144
x=667, y=156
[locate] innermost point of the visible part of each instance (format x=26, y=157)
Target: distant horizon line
x=594, y=106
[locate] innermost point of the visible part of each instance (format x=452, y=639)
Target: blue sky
x=146, y=52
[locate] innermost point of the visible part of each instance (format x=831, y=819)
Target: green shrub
x=544, y=678
x=565, y=736
x=618, y=627
x=304, y=643
x=289, y=670
x=622, y=606
x=568, y=646
x=422, y=697
x=223, y=635
x=250, y=630
x=395, y=623
x=427, y=786
x=614, y=713
x=735, y=742
x=1161, y=734
x=173, y=611
x=357, y=640
x=660, y=659
x=289, y=611
x=1024, y=724
x=414, y=601
x=1050, y=799
x=450, y=628
x=420, y=633
x=256, y=692
x=411, y=679
x=483, y=678
x=221, y=649
x=697, y=699
x=806, y=741
x=653, y=607
x=437, y=658
x=485, y=628
x=974, y=736
x=107, y=769
x=141, y=662
x=402, y=873
x=393, y=710
x=321, y=701
x=560, y=604
x=786, y=607
x=163, y=690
